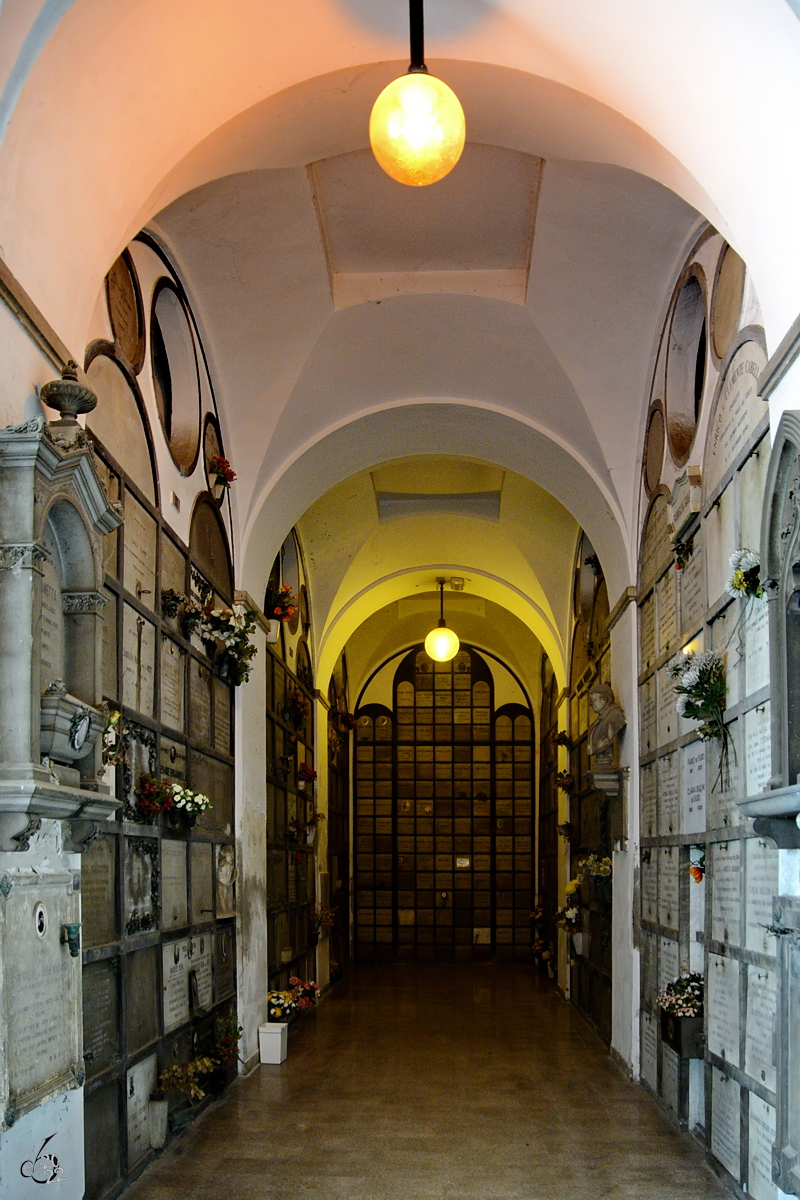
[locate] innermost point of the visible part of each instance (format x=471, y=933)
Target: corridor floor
x=416, y=1082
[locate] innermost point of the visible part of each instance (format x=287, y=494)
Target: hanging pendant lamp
x=417, y=127
x=441, y=643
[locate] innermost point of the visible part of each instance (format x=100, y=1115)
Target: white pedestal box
x=272, y=1041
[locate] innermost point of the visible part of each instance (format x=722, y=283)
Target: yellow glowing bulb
x=442, y=644
x=417, y=129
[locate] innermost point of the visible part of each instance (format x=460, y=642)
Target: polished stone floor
x=418, y=1082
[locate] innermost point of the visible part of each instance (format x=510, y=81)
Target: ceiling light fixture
x=441, y=643
x=417, y=127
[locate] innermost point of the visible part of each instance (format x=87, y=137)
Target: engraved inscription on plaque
x=98, y=893
x=668, y=962
x=647, y=634
x=668, y=810
x=138, y=661
x=225, y=965
x=692, y=585
x=670, y=1074
x=762, y=1136
x=736, y=414
x=722, y=1002
x=202, y=882
x=655, y=542
x=100, y=1036
x=40, y=985
x=650, y=983
x=172, y=660
x=647, y=715
x=649, y=1050
x=761, y=886
x=756, y=640
x=139, y=1083
x=667, y=712
x=694, y=787
x=200, y=701
x=222, y=716
x=51, y=628
x=647, y=794
x=198, y=954
x=761, y=1002
x=726, y=865
x=215, y=779
x=173, y=760
x=173, y=566
x=649, y=886
x=175, y=961
x=668, y=887
x=174, y=912
x=139, y=532
x=725, y=1121
x=667, y=602
x=758, y=748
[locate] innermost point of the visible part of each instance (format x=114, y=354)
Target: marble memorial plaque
x=650, y=1051
x=173, y=566
x=668, y=798
x=668, y=962
x=667, y=713
x=222, y=716
x=720, y=533
x=670, y=1077
x=650, y=885
x=138, y=661
x=756, y=640
x=100, y=1034
x=647, y=715
x=202, y=883
x=200, y=701
x=198, y=953
x=215, y=779
x=758, y=748
x=692, y=584
x=110, y=644
x=141, y=988
x=174, y=909
x=101, y=1138
x=172, y=663
x=762, y=1135
x=647, y=798
x=668, y=887
x=41, y=984
x=722, y=1003
x=647, y=634
x=736, y=413
x=51, y=627
x=140, y=885
x=760, y=888
x=98, y=893
x=173, y=760
x=175, y=974
x=650, y=982
x=759, y=1028
x=667, y=609
x=725, y=1121
x=726, y=880
x=224, y=962
x=140, y=1081
x=655, y=541
x=139, y=532
x=694, y=787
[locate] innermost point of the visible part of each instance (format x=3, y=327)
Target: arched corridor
x=416, y=1082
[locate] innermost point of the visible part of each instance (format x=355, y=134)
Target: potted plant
x=681, y=1005
x=281, y=1006
x=279, y=605
x=305, y=775
x=185, y=804
x=153, y=797
x=190, y=617
x=305, y=992
x=225, y=633
x=221, y=474
x=181, y=1079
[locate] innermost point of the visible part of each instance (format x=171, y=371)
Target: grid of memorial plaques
x=689, y=815
x=549, y=899
x=290, y=857
x=443, y=817
x=339, y=828
x=159, y=955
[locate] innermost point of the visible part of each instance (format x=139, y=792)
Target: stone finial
x=67, y=396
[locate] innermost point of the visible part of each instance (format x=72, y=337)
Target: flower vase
x=273, y=633
x=191, y=819
x=218, y=488
x=311, y=835
x=174, y=816
x=684, y=1035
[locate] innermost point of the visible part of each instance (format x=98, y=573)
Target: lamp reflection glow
x=417, y=129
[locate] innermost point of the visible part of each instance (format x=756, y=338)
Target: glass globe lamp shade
x=417, y=129
x=442, y=644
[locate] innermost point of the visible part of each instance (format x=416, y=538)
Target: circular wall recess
x=686, y=364
x=653, y=458
x=726, y=302
x=125, y=311
x=175, y=376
